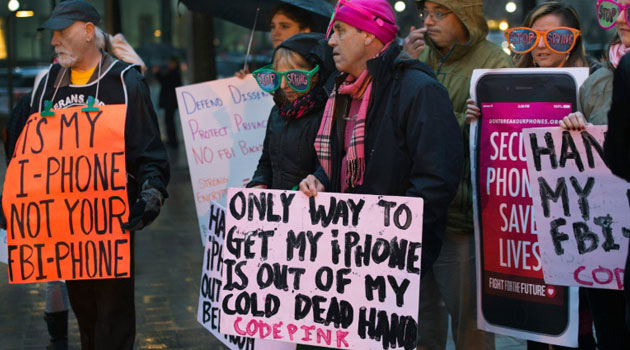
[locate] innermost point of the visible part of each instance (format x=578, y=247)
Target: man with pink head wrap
x=388, y=127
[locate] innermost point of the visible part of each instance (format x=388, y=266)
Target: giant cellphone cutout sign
x=336, y=270
x=512, y=295
x=65, y=197
x=581, y=208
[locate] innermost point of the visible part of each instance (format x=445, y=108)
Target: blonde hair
x=291, y=58
x=296, y=61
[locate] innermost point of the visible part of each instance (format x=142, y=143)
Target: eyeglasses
x=435, y=15
x=560, y=40
x=379, y=21
x=270, y=80
x=608, y=11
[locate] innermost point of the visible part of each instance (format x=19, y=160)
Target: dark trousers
x=105, y=310
x=171, y=130
x=608, y=308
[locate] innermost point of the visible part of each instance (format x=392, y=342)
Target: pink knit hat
x=373, y=16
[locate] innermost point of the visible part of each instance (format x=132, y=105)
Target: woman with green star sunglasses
x=270, y=80
x=297, y=80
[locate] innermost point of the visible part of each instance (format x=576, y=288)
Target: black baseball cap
x=69, y=11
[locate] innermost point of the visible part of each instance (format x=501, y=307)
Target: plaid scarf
x=360, y=89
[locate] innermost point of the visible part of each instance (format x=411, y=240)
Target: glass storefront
x=164, y=28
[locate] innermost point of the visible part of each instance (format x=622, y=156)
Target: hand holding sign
x=311, y=185
x=146, y=209
x=574, y=121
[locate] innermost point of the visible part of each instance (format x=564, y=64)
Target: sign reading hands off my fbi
x=335, y=270
x=582, y=209
x=65, y=197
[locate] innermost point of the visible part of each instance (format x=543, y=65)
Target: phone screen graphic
x=514, y=293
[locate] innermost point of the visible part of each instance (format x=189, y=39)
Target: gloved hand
x=146, y=209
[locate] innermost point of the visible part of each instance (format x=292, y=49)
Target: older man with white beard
x=104, y=308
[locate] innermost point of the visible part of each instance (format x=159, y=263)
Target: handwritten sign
x=209, y=310
x=335, y=270
x=582, y=209
x=65, y=197
x=224, y=124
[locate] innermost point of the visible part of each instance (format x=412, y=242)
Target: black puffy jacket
x=413, y=144
x=288, y=153
x=617, y=144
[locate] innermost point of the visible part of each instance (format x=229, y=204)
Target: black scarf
x=314, y=99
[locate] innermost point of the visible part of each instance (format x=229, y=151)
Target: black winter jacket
x=168, y=82
x=617, y=144
x=288, y=153
x=413, y=143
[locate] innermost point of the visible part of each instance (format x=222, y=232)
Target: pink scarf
x=616, y=52
x=360, y=89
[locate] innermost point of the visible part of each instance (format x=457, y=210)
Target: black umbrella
x=243, y=12
x=255, y=13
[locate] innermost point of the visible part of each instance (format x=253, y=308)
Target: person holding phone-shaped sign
x=453, y=43
x=550, y=37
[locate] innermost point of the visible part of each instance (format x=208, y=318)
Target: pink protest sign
x=511, y=251
x=209, y=309
x=336, y=270
x=581, y=208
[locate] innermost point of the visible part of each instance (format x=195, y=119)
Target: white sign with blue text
x=223, y=123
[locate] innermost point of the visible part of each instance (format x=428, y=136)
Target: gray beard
x=67, y=62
